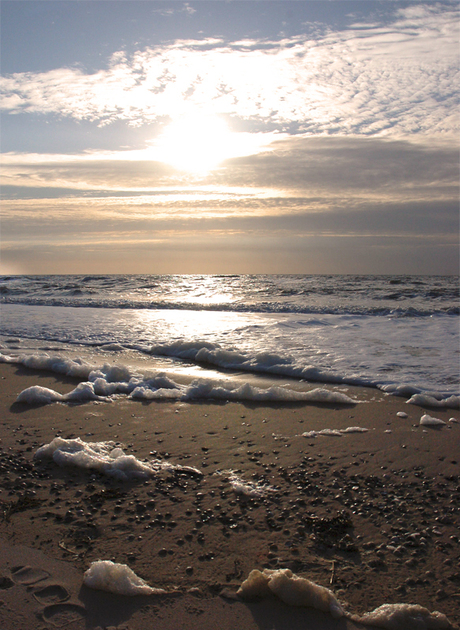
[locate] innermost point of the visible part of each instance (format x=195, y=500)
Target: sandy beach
x=371, y=515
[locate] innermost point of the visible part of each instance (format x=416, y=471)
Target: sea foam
x=429, y=421
x=250, y=489
x=291, y=589
x=37, y=395
x=77, y=368
x=404, y=617
x=107, y=458
x=102, y=390
x=108, y=381
x=112, y=577
x=334, y=432
x=298, y=591
x=425, y=400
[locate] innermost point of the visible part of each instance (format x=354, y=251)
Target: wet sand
x=373, y=516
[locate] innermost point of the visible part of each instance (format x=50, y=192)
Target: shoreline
x=399, y=491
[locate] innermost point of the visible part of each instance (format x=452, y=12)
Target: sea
x=237, y=337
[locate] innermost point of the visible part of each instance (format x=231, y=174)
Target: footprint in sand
x=27, y=575
x=60, y=615
x=5, y=583
x=51, y=594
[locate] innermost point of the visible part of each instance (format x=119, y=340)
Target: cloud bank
x=327, y=205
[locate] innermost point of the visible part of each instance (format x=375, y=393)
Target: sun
x=195, y=142
x=199, y=142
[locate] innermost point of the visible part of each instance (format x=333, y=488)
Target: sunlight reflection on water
x=180, y=324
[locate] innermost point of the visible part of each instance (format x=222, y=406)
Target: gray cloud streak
x=296, y=166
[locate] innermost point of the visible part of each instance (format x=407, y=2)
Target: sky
x=216, y=136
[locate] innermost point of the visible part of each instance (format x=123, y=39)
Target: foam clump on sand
x=106, y=457
x=112, y=577
x=425, y=400
x=429, y=421
x=298, y=591
x=37, y=395
x=334, y=432
x=291, y=589
x=246, y=488
x=404, y=617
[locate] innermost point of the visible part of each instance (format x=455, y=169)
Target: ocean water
x=232, y=336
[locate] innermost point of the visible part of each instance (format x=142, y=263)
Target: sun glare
x=198, y=143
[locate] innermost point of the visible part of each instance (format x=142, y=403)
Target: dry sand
x=374, y=516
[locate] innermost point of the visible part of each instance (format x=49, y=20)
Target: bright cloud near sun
x=369, y=79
